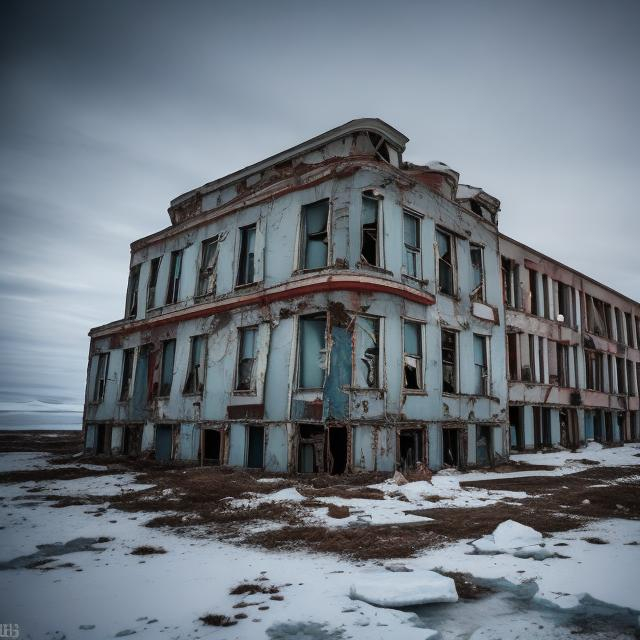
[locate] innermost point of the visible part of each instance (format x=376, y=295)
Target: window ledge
x=414, y=392
x=372, y=267
x=242, y=393
x=248, y=285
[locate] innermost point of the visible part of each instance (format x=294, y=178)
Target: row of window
x=601, y=318
x=312, y=360
x=314, y=253
x=600, y=370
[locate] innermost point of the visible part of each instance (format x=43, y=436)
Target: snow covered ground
x=106, y=592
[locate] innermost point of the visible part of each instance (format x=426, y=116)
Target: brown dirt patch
x=217, y=620
x=47, y=441
x=45, y=475
x=466, y=588
x=146, y=550
x=337, y=511
x=252, y=588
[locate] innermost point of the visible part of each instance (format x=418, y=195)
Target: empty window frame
x=413, y=354
x=166, y=372
x=312, y=351
x=629, y=328
x=446, y=262
x=411, y=258
x=152, y=285
x=245, y=370
x=449, y=361
x=246, y=258
x=512, y=356
x=619, y=326
x=620, y=373
x=366, y=353
x=477, y=268
x=637, y=322
x=562, y=358
x=102, y=370
x=208, y=267
x=175, y=270
x=314, y=238
x=631, y=383
x=126, y=388
x=533, y=291
x=566, y=304
x=481, y=364
x=194, y=382
x=532, y=360
x=546, y=311
x=370, y=227
x=132, y=292
x=511, y=283
x=608, y=319
x=594, y=366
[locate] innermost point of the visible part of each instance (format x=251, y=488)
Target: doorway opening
x=516, y=422
x=101, y=439
x=484, y=445
x=164, y=442
x=211, y=446
x=410, y=447
x=255, y=448
x=451, y=447
x=310, y=448
x=337, y=462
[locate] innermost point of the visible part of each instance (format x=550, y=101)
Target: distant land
x=36, y=414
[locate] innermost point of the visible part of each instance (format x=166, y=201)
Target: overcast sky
x=111, y=109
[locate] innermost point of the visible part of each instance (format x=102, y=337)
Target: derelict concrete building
x=331, y=308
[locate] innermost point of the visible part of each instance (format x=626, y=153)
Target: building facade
x=334, y=309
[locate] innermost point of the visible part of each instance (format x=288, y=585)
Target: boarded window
x=132, y=294
x=127, y=374
x=102, y=371
x=411, y=261
x=449, y=362
x=175, y=269
x=370, y=214
x=311, y=352
x=153, y=282
x=446, y=262
x=208, y=267
x=166, y=376
x=366, y=340
x=481, y=368
x=197, y=365
x=412, y=355
x=315, y=241
x=245, y=374
x=477, y=267
x=246, y=264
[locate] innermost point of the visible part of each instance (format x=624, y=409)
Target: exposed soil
x=146, y=550
x=55, y=442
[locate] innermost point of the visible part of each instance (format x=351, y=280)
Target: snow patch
x=508, y=537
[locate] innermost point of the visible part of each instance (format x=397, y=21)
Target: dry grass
x=217, y=620
x=251, y=589
x=338, y=511
x=146, y=550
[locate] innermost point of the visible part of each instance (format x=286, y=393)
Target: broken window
x=101, y=377
x=412, y=355
x=315, y=240
x=629, y=328
x=208, y=267
x=166, y=376
x=153, y=282
x=246, y=264
x=533, y=291
x=369, y=252
x=127, y=374
x=631, y=383
x=530, y=375
x=545, y=296
x=511, y=283
x=607, y=319
x=197, y=365
x=477, y=266
x=366, y=340
x=566, y=304
x=132, y=294
x=481, y=364
x=411, y=261
x=312, y=352
x=637, y=321
x=449, y=361
x=562, y=359
x=620, y=371
x=175, y=269
x=446, y=262
x=245, y=374
x=512, y=353
x=619, y=327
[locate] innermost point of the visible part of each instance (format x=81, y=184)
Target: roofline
x=571, y=269
x=398, y=139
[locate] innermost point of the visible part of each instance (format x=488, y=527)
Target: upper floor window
x=102, y=371
x=546, y=310
x=619, y=326
x=175, y=270
x=562, y=364
x=594, y=368
x=127, y=374
x=314, y=246
x=511, y=283
x=566, y=304
x=481, y=364
x=370, y=236
x=197, y=365
x=366, y=341
x=246, y=260
x=153, y=282
x=132, y=294
x=477, y=267
x=312, y=351
x=208, y=267
x=449, y=361
x=629, y=328
x=411, y=261
x=412, y=345
x=446, y=262
x=533, y=292
x=245, y=371
x=166, y=372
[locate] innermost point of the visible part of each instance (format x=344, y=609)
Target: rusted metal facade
x=329, y=309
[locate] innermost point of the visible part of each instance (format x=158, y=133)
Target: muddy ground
x=194, y=500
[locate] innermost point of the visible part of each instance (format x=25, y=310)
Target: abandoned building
x=333, y=309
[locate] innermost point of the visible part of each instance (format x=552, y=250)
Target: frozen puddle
x=513, y=612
